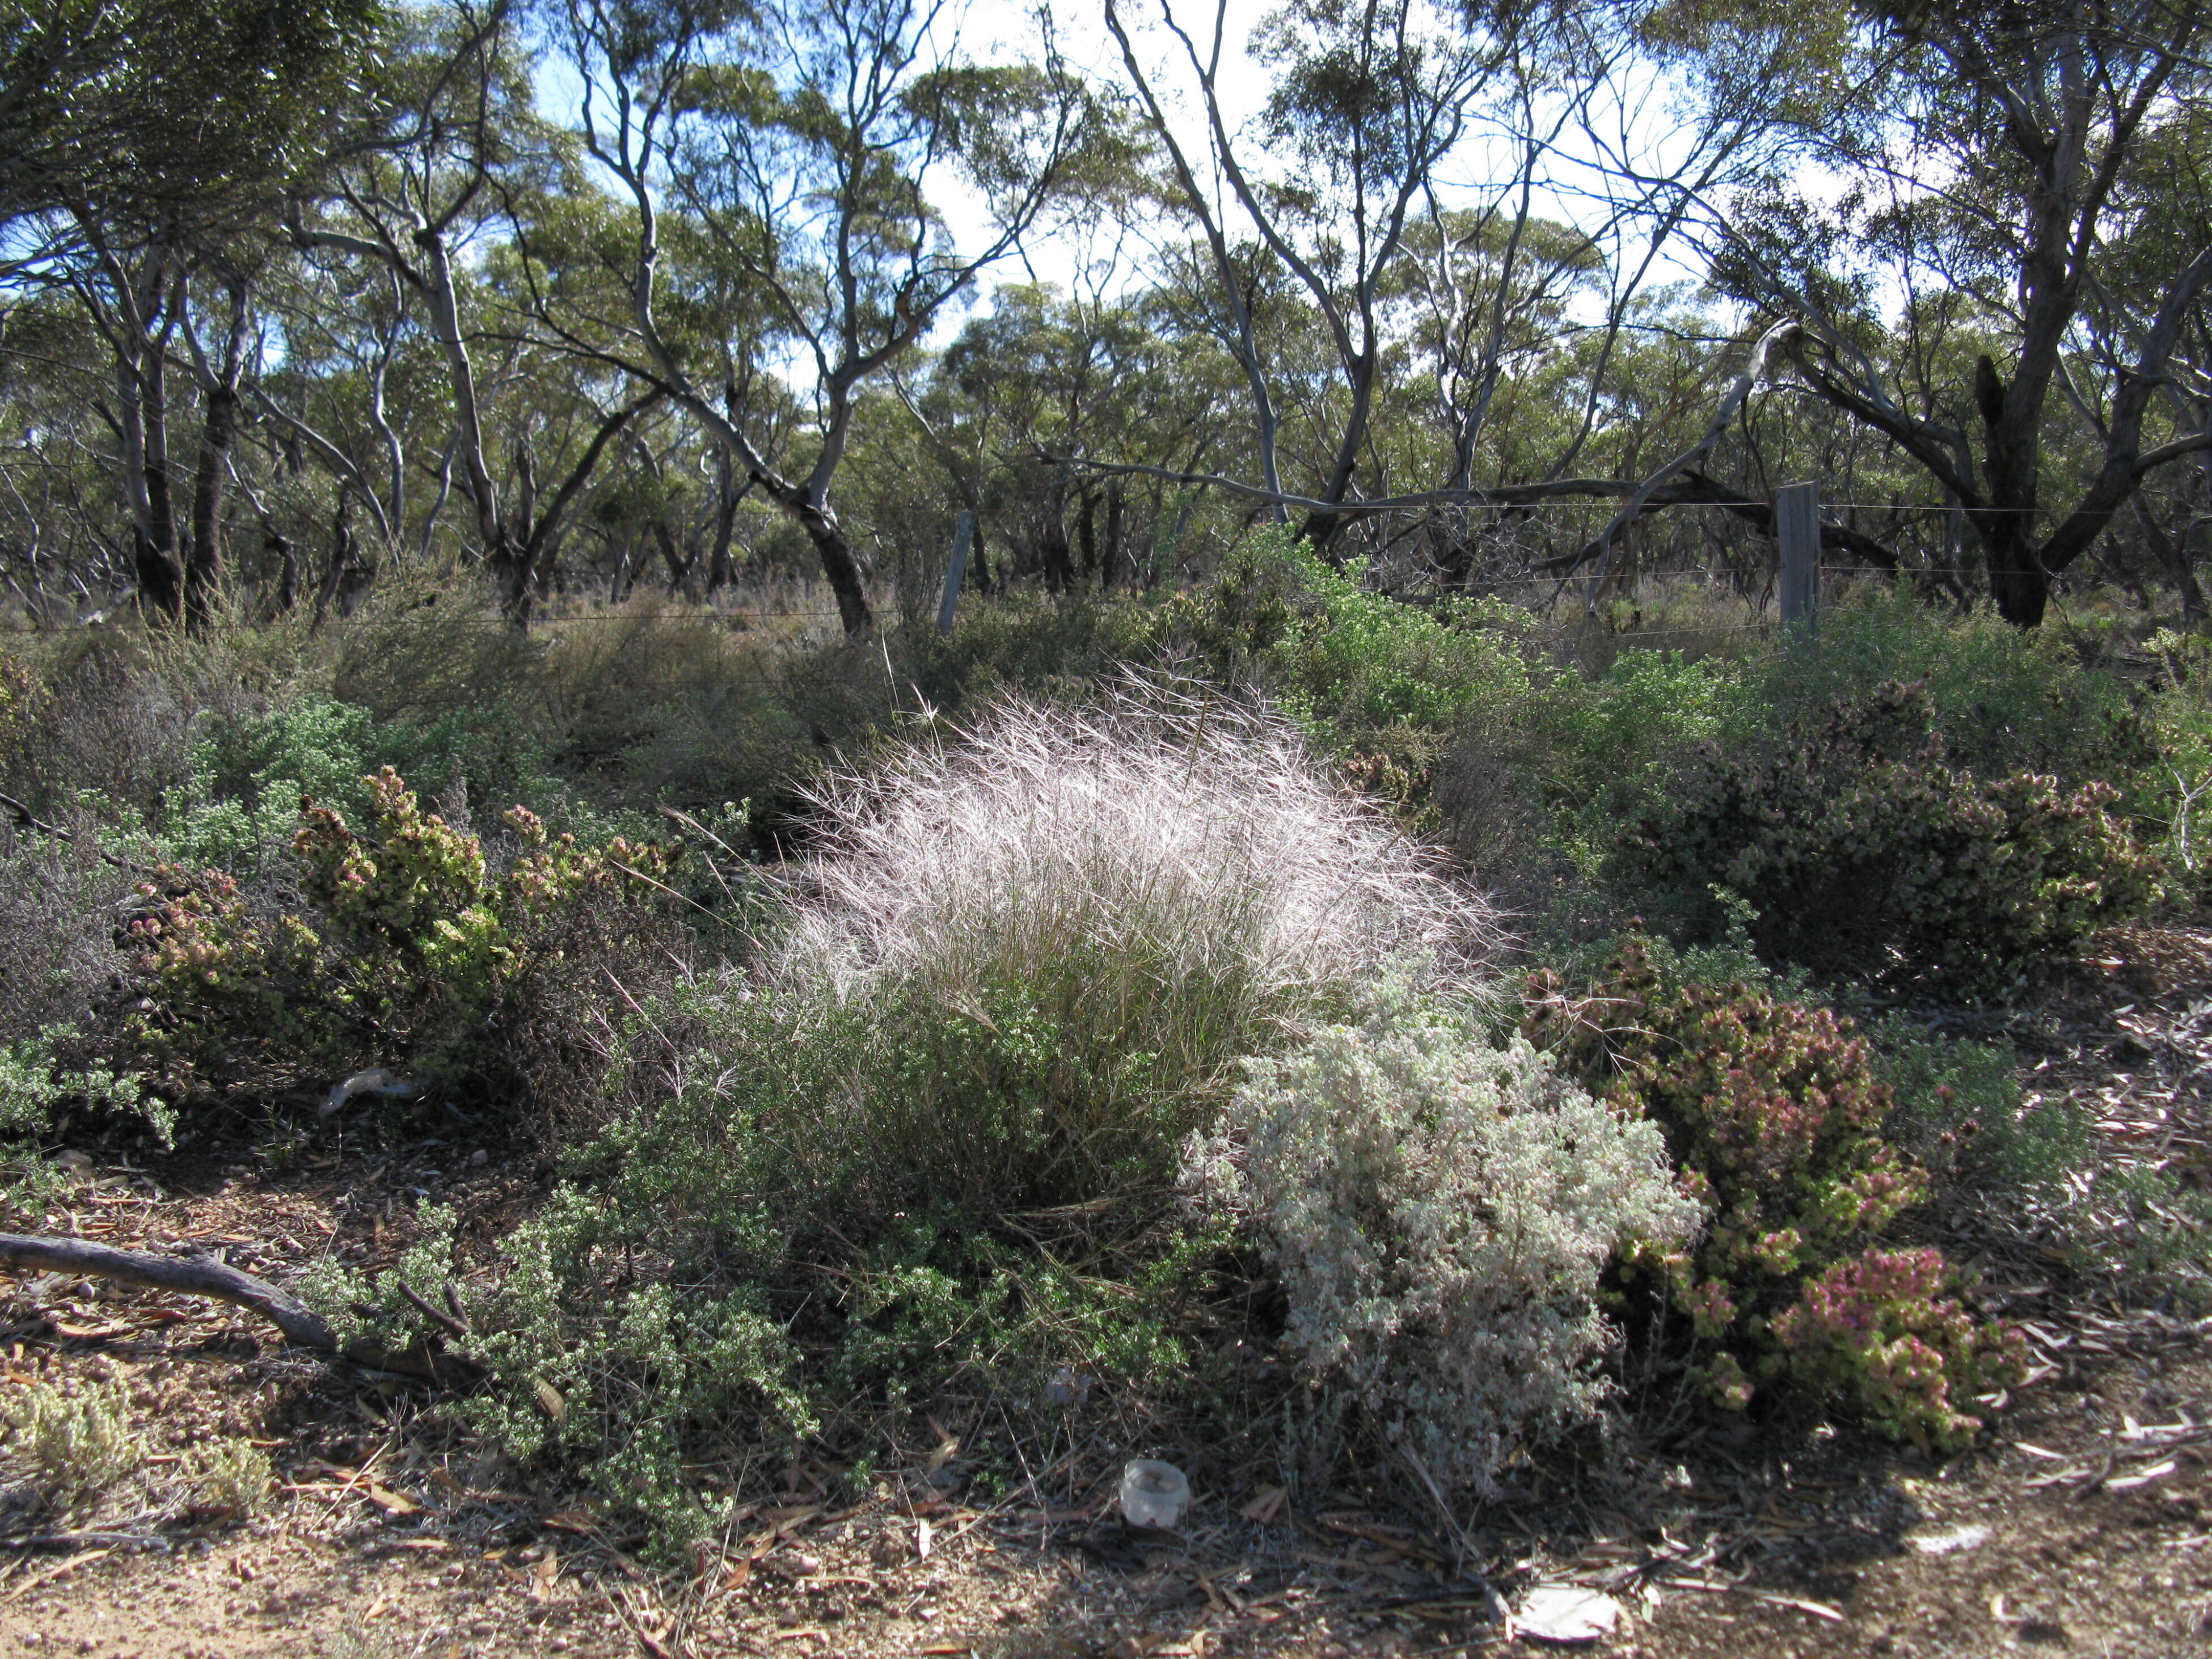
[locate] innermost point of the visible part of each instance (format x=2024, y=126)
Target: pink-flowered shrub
x=1773, y=1118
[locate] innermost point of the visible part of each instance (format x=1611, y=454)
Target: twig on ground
x=204, y=1276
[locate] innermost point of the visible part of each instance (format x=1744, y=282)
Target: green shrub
x=1774, y=1114
x=621, y=1338
x=2175, y=793
x=250, y=768
x=1860, y=848
x=58, y=904
x=1957, y=1111
x=104, y=728
x=42, y=1084
x=684, y=1300
x=405, y=951
x=2002, y=700
x=1440, y=1211
x=1035, y=643
x=229, y=1475
x=1345, y=660
x=20, y=698
x=71, y=1443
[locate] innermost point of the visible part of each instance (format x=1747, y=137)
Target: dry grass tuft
x=1073, y=922
x=1166, y=850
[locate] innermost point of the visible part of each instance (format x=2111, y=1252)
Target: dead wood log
x=204, y=1276
x=27, y=819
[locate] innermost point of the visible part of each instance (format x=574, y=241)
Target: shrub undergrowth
x=1773, y=1114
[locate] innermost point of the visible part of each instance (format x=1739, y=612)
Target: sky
x=1000, y=31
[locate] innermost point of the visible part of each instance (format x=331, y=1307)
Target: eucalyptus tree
x=2005, y=155
x=141, y=145
x=153, y=108
x=804, y=140
x=434, y=166
x=1023, y=405
x=1368, y=99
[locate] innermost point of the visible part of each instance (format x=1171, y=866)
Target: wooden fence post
x=1797, y=530
x=963, y=532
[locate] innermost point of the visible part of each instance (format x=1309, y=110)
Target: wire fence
x=1410, y=553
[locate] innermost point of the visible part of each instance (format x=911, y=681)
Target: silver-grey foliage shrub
x=1440, y=1210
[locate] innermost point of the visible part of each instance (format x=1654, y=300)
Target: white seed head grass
x=1166, y=867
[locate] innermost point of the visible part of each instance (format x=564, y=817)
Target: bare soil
x=2082, y=1524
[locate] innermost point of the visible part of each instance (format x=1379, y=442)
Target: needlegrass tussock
x=1078, y=918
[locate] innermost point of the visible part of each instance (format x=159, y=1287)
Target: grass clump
x=1066, y=929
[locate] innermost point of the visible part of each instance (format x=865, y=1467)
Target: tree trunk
x=1052, y=547
x=161, y=573
x=839, y=563
x=203, y=570
x=288, y=578
x=218, y=429
x=1112, y=561
x=719, y=570
x=2172, y=554
x=2019, y=584
x=1086, y=532
x=679, y=567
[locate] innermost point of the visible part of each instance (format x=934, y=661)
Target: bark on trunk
x=203, y=571
x=161, y=573
x=1086, y=532
x=839, y=563
x=2019, y=584
x=1112, y=561
x=719, y=570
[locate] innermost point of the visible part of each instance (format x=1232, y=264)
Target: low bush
x=45, y=1083
x=1440, y=1211
x=60, y=904
x=1772, y=1111
x=404, y=949
x=1957, y=1111
x=1861, y=848
x=72, y=1443
x=104, y=730
x=2002, y=700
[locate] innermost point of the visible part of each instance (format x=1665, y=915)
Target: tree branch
x=204, y=1276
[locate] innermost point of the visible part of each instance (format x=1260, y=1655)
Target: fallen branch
x=1352, y=507
x=1725, y=412
x=27, y=819
x=204, y=1276
x=1693, y=486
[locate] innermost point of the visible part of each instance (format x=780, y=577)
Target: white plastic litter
x=1566, y=1614
x=1949, y=1542
x=374, y=1081
x=1153, y=1493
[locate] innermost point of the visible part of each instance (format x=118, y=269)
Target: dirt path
x=2084, y=1526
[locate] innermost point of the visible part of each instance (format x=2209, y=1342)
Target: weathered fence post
x=963, y=532
x=1797, y=529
